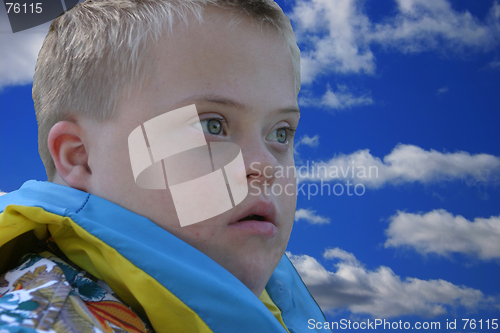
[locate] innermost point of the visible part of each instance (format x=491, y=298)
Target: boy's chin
x=255, y=278
x=253, y=269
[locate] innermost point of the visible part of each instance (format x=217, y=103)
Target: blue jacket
x=187, y=292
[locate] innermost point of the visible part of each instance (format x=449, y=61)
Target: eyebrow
x=210, y=98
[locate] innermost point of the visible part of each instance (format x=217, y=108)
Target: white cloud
x=423, y=25
x=405, y=164
x=337, y=253
x=331, y=33
x=494, y=64
x=2, y=193
x=304, y=141
x=18, y=52
x=337, y=36
x=380, y=292
x=310, y=216
x=442, y=90
x=307, y=141
x=442, y=233
x=337, y=100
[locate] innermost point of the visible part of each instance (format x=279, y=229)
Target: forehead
x=226, y=55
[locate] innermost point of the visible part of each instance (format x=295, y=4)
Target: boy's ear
x=67, y=147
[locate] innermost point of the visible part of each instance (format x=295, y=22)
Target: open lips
x=253, y=217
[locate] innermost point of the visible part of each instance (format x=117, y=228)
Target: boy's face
x=242, y=76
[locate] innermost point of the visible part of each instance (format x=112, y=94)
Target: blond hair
x=93, y=54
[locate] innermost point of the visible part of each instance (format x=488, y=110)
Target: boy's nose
x=260, y=164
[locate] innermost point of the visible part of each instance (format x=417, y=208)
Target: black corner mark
x=25, y=14
x=70, y=3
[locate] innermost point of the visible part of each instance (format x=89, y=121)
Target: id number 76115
x=473, y=324
x=17, y=8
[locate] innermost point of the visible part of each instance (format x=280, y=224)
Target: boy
x=96, y=240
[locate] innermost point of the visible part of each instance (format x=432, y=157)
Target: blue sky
x=407, y=87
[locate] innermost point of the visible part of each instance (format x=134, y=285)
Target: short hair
x=111, y=34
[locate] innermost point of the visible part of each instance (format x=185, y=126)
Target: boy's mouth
x=259, y=218
x=253, y=217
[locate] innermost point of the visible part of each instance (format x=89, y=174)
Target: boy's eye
x=211, y=126
x=281, y=135
x=214, y=126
